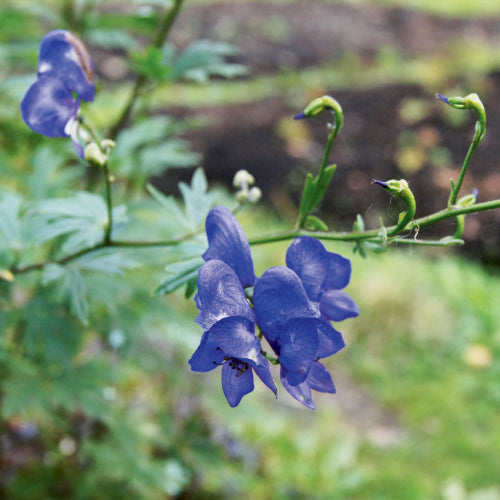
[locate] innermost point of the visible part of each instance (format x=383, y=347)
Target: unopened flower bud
x=254, y=195
x=94, y=155
x=470, y=101
x=393, y=186
x=242, y=196
x=468, y=200
x=108, y=144
x=400, y=189
x=318, y=105
x=243, y=178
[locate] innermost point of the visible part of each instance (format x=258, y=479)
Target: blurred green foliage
x=98, y=401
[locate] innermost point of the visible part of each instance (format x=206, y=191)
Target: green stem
x=329, y=143
x=109, y=205
x=104, y=244
x=271, y=359
x=142, y=80
x=455, y=191
x=370, y=235
x=374, y=234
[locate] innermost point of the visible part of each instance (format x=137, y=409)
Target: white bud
x=254, y=195
x=94, y=155
x=242, y=196
x=242, y=178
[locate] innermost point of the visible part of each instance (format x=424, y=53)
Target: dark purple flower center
x=237, y=364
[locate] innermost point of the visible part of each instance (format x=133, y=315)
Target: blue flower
x=293, y=326
x=65, y=70
x=228, y=242
x=323, y=275
x=294, y=306
x=228, y=339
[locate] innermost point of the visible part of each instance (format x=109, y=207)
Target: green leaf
x=71, y=288
x=49, y=333
x=191, y=286
x=108, y=260
x=82, y=219
x=321, y=185
x=359, y=224
x=315, y=224
x=197, y=199
x=151, y=63
x=111, y=39
x=34, y=389
x=48, y=178
x=203, y=59
x=145, y=149
x=375, y=247
x=171, y=153
x=314, y=190
x=145, y=132
x=187, y=274
x=10, y=225
x=307, y=196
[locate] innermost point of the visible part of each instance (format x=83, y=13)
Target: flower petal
x=234, y=337
x=301, y=392
x=228, y=242
x=235, y=385
x=220, y=295
x=264, y=373
x=48, y=107
x=339, y=273
x=330, y=340
x=337, y=305
x=207, y=356
x=298, y=345
x=309, y=259
x=318, y=268
x=319, y=379
x=278, y=297
x=64, y=56
x=72, y=128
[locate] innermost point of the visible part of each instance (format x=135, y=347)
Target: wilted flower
x=228, y=339
x=65, y=77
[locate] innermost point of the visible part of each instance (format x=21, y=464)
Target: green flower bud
x=94, y=155
x=319, y=105
x=393, y=186
x=402, y=190
x=473, y=102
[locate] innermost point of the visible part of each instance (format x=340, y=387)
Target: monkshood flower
x=228, y=340
x=294, y=306
x=324, y=274
x=293, y=326
x=228, y=242
x=65, y=77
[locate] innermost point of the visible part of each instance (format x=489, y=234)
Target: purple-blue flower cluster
x=65, y=78
x=293, y=307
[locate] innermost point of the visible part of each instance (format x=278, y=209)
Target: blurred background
x=108, y=408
